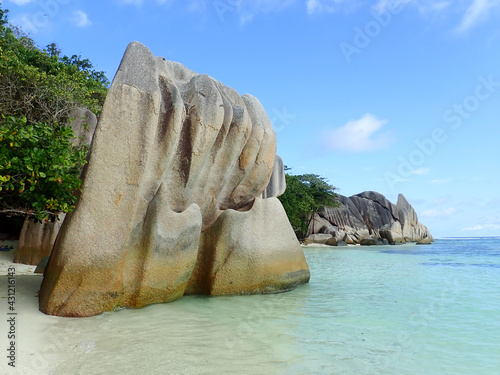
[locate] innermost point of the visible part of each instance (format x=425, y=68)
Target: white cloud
x=435, y=6
x=312, y=6
x=476, y=13
x=359, y=135
x=434, y=213
x=424, y=6
x=20, y=2
x=247, y=9
x=441, y=181
x=491, y=223
x=81, y=18
x=329, y=6
x=386, y=5
x=473, y=13
x=481, y=227
x=420, y=171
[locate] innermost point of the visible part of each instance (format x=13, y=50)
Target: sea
x=395, y=310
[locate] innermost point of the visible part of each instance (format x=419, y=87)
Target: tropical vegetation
x=306, y=195
x=40, y=160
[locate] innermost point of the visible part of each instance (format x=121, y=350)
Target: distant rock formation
x=366, y=217
x=171, y=202
x=37, y=239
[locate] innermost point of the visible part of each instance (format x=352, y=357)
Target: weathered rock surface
x=277, y=183
x=412, y=229
x=332, y=242
x=36, y=240
x=370, y=242
x=344, y=223
x=83, y=123
x=318, y=238
x=40, y=268
x=169, y=201
x=234, y=260
x=369, y=217
x=375, y=209
x=425, y=241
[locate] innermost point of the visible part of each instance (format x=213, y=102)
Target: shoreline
x=7, y=260
x=355, y=245
x=329, y=246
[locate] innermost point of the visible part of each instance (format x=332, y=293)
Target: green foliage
x=39, y=168
x=39, y=164
x=3, y=18
x=305, y=195
x=42, y=86
x=53, y=50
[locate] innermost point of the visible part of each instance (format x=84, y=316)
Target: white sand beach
x=187, y=336
x=6, y=258
x=48, y=345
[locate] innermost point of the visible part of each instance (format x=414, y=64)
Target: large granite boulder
x=344, y=222
x=412, y=229
x=370, y=242
x=36, y=240
x=370, y=216
x=393, y=232
x=375, y=209
x=234, y=260
x=425, y=241
x=169, y=201
x=318, y=238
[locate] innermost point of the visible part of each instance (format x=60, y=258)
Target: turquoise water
x=405, y=310
x=367, y=310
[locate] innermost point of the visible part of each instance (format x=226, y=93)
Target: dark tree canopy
x=3, y=16
x=305, y=195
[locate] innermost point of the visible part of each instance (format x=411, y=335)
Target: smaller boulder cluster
x=367, y=218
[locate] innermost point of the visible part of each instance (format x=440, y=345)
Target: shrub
x=40, y=165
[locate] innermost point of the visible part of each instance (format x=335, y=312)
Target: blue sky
x=395, y=96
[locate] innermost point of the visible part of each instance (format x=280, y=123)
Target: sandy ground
x=176, y=339
x=161, y=339
x=6, y=258
x=24, y=309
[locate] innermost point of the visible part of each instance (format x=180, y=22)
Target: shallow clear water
x=367, y=310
